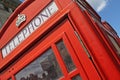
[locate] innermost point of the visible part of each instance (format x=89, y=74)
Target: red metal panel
x=31, y=11
x=6, y=36
x=94, y=44
x=113, y=52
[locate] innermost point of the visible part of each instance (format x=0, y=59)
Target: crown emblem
x=21, y=18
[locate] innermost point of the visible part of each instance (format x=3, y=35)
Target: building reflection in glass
x=65, y=56
x=77, y=77
x=43, y=68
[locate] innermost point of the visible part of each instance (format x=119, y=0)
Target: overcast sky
x=109, y=10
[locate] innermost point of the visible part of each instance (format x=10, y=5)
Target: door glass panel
x=65, y=56
x=43, y=68
x=77, y=77
x=114, y=42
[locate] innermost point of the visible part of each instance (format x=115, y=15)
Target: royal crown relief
x=35, y=23
x=21, y=18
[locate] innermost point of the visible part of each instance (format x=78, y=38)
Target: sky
x=21, y=0
x=109, y=10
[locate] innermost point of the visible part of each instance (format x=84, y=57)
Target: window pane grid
x=65, y=56
x=45, y=67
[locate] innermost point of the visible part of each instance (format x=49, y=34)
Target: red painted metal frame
x=108, y=30
x=64, y=30
x=79, y=21
x=92, y=39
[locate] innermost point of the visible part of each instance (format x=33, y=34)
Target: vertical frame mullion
x=60, y=60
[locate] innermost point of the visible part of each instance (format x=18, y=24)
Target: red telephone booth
x=57, y=40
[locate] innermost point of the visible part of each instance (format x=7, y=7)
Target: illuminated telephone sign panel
x=43, y=16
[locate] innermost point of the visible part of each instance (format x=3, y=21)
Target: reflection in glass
x=10, y=79
x=116, y=45
x=65, y=56
x=43, y=68
x=77, y=78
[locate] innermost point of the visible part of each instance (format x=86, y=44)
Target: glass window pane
x=43, y=68
x=77, y=78
x=115, y=44
x=65, y=56
x=10, y=79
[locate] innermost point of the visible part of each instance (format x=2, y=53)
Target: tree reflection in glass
x=43, y=68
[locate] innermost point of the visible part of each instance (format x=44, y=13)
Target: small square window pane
x=77, y=77
x=114, y=42
x=9, y=79
x=65, y=56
